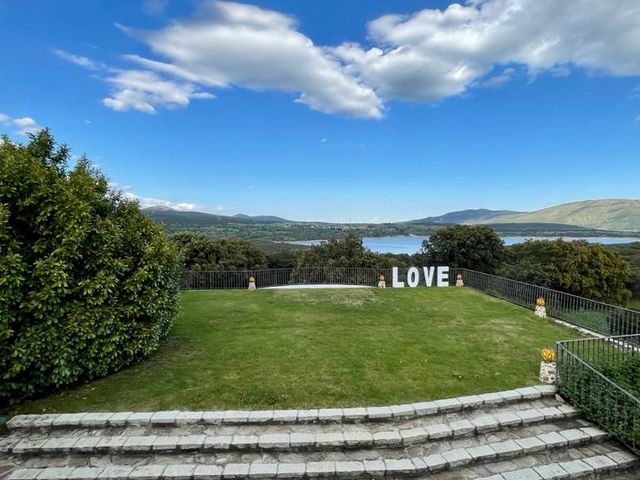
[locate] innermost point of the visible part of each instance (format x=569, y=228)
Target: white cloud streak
x=79, y=60
x=425, y=56
x=146, y=202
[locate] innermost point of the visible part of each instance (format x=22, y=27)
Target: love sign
x=426, y=274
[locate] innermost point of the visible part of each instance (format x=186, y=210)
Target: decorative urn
x=541, y=310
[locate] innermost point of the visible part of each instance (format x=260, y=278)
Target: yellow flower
x=548, y=355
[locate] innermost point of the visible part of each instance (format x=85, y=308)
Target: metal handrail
x=583, y=383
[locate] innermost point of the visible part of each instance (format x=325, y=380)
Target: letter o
x=413, y=277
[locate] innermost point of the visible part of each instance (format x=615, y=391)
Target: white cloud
x=21, y=125
x=425, y=56
x=433, y=54
x=134, y=89
x=143, y=90
x=233, y=44
x=26, y=125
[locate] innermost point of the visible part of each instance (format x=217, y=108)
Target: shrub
x=88, y=284
x=342, y=252
x=584, y=269
x=463, y=246
x=204, y=253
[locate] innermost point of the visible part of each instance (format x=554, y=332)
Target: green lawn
x=306, y=348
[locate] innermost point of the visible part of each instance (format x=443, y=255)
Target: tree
x=88, y=284
x=341, y=252
x=204, y=253
x=283, y=258
x=463, y=246
x=581, y=268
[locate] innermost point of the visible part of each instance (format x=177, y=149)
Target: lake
x=410, y=245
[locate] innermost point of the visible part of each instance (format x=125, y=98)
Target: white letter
x=443, y=276
x=394, y=278
x=428, y=275
x=413, y=277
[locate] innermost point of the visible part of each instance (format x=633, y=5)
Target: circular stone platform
x=324, y=285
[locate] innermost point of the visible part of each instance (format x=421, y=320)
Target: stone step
x=240, y=417
x=606, y=465
x=430, y=465
x=458, y=453
x=547, y=405
x=335, y=440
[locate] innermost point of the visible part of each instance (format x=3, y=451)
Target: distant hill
x=264, y=218
x=479, y=215
x=611, y=215
x=169, y=216
x=620, y=215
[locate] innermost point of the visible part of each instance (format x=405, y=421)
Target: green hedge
x=88, y=284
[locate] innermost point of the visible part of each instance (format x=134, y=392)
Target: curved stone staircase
x=514, y=435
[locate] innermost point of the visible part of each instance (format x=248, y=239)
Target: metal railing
x=600, y=376
x=278, y=277
x=596, y=316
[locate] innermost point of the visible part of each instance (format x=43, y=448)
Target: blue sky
x=365, y=110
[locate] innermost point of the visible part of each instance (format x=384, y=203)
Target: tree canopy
x=585, y=269
x=463, y=246
x=341, y=252
x=204, y=253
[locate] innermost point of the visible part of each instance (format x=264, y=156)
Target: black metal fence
x=590, y=314
x=596, y=316
x=279, y=277
x=600, y=376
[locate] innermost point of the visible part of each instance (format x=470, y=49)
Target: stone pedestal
x=382, y=284
x=548, y=372
x=541, y=311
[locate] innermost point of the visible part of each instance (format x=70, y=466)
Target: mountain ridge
x=617, y=215
x=462, y=216
x=610, y=214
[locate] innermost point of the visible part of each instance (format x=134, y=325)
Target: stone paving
x=519, y=434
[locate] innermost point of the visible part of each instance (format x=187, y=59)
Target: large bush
x=584, y=269
x=202, y=252
x=463, y=246
x=88, y=284
x=342, y=252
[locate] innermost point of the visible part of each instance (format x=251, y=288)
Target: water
x=411, y=244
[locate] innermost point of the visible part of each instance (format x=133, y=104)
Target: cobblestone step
x=605, y=465
x=544, y=404
x=587, y=465
x=509, y=435
x=235, y=417
x=353, y=439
